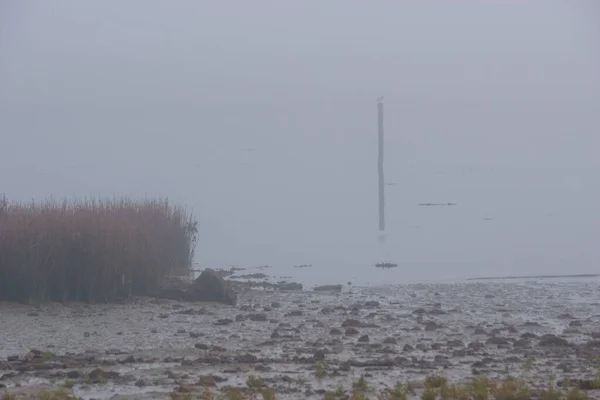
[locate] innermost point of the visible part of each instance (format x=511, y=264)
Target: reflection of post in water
x=380, y=170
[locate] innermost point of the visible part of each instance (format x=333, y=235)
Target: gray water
x=506, y=221
x=267, y=130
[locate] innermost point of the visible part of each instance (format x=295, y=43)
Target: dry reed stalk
x=91, y=250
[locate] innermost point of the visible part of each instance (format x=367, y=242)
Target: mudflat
x=303, y=344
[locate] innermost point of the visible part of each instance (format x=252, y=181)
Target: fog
x=261, y=118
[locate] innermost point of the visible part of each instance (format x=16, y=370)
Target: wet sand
x=147, y=348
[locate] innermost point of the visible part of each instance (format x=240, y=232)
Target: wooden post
x=380, y=166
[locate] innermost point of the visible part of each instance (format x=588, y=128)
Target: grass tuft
x=320, y=371
x=361, y=384
x=434, y=382
x=268, y=393
x=254, y=382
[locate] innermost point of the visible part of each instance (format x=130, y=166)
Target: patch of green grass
x=480, y=388
x=177, y=396
x=433, y=387
x=68, y=384
x=254, y=382
x=551, y=393
x=207, y=395
x=528, y=364
x=330, y=396
x=513, y=389
x=358, y=395
x=429, y=394
x=59, y=394
x=48, y=356
x=319, y=371
x=268, y=393
x=434, y=382
x=361, y=384
x=398, y=392
x=577, y=394
x=455, y=392
x=231, y=394
x=234, y=394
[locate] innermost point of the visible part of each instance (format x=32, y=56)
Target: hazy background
x=493, y=105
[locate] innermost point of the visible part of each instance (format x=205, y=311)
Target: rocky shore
x=305, y=344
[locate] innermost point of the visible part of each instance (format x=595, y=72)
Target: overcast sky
x=493, y=105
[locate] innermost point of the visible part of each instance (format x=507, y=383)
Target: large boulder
x=211, y=287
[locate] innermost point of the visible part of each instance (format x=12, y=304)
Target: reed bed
x=91, y=250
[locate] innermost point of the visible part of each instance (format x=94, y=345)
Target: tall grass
x=91, y=250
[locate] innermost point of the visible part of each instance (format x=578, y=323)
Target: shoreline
x=558, y=276
x=160, y=349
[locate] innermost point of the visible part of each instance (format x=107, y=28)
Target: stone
x=498, y=341
x=351, y=323
x=246, y=358
x=551, y=340
x=207, y=380
x=351, y=331
x=74, y=374
x=210, y=287
x=476, y=345
x=422, y=347
x=431, y=326
x=100, y=376
x=522, y=343
x=258, y=317
x=528, y=335
x=295, y=313
x=328, y=288
x=289, y=286
x=480, y=331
